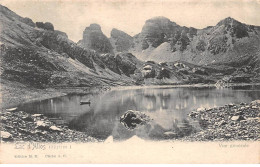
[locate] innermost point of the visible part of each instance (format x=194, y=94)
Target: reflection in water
x=168, y=107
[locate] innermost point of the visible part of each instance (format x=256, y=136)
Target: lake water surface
x=168, y=107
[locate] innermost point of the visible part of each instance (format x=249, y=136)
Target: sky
x=73, y=16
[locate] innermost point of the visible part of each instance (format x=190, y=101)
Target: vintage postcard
x=129, y=81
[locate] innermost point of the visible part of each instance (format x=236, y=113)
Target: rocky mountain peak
x=93, y=27
x=93, y=38
x=120, y=40
x=158, y=19
x=159, y=22
x=156, y=31
x=236, y=28
x=228, y=21
x=115, y=33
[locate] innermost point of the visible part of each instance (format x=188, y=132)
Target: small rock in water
x=131, y=119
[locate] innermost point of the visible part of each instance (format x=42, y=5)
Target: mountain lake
x=168, y=107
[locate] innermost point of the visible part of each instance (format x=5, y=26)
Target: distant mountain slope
x=228, y=41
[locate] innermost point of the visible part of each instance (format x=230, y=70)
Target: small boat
x=85, y=102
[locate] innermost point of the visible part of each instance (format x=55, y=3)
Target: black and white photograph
x=128, y=81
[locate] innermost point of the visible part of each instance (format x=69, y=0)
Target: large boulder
x=132, y=119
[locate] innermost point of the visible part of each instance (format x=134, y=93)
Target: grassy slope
x=33, y=58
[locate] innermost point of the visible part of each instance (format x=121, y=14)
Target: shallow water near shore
x=167, y=107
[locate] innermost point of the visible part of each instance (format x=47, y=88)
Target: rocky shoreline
x=21, y=126
x=229, y=122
